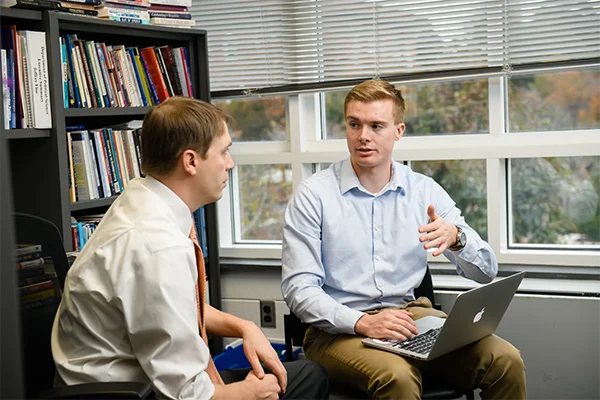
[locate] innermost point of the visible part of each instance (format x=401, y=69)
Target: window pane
x=555, y=201
x=465, y=182
x=264, y=191
x=431, y=109
x=257, y=119
x=554, y=101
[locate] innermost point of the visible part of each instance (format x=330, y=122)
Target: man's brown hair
x=176, y=125
x=377, y=89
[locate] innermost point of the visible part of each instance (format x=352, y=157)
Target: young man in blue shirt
x=355, y=247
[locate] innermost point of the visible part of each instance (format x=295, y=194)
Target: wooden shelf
x=26, y=133
x=105, y=112
x=89, y=204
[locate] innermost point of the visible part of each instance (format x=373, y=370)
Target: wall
x=559, y=336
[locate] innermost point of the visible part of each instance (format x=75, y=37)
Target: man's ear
x=189, y=161
x=400, y=128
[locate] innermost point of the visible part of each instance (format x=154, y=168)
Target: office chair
x=294, y=330
x=36, y=328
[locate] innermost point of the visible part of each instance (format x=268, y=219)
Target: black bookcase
x=38, y=166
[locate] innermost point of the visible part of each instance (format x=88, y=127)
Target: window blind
x=271, y=43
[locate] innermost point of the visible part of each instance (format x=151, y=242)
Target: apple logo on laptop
x=478, y=316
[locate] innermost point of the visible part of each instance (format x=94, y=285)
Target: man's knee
x=313, y=372
x=396, y=383
x=507, y=364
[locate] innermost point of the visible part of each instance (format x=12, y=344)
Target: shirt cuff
x=346, y=319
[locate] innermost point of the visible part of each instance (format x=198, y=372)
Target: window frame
x=306, y=148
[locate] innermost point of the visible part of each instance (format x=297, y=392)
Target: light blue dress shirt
x=346, y=250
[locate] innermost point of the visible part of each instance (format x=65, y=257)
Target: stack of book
x=25, y=81
x=100, y=75
x=80, y=7
x=38, y=285
x=173, y=13
x=134, y=11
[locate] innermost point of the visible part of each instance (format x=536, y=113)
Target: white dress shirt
x=346, y=250
x=128, y=311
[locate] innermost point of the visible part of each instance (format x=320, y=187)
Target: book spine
x=171, y=70
x=36, y=287
x=186, y=68
x=163, y=71
x=105, y=76
x=111, y=165
x=151, y=86
x=169, y=15
x=38, y=79
x=38, y=262
x=73, y=79
x=87, y=69
x=149, y=57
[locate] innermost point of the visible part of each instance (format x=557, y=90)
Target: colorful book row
x=100, y=75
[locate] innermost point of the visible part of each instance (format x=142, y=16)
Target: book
x=24, y=249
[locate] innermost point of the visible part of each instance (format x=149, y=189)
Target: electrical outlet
x=267, y=314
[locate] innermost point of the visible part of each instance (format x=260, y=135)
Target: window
x=555, y=202
x=263, y=193
x=549, y=101
x=257, y=119
x=440, y=108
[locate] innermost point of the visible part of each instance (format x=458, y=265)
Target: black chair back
x=36, y=323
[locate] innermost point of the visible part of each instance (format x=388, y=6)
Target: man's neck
x=181, y=189
x=373, y=178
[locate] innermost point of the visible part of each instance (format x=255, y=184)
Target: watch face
x=462, y=238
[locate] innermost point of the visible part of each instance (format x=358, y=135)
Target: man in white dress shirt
x=129, y=310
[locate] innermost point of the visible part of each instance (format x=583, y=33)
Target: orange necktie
x=211, y=370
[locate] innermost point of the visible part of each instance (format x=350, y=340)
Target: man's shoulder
x=412, y=179
x=140, y=214
x=324, y=180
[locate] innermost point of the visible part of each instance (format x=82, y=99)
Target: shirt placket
x=378, y=250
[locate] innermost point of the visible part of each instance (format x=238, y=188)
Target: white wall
x=559, y=336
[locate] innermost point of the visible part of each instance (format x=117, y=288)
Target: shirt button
x=376, y=229
x=377, y=258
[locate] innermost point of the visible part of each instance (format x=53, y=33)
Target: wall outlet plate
x=267, y=314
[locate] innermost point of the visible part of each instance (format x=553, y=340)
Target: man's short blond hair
x=176, y=125
x=374, y=90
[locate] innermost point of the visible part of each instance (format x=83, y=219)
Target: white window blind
x=270, y=43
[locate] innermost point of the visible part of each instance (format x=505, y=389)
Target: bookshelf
x=39, y=158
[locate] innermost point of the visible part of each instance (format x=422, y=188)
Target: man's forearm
x=223, y=324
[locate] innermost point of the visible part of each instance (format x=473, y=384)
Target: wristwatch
x=461, y=240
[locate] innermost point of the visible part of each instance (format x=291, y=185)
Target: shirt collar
x=180, y=211
x=349, y=180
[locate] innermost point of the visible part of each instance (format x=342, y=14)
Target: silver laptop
x=475, y=315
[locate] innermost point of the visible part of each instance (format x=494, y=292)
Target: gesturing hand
x=394, y=324
x=257, y=348
x=438, y=233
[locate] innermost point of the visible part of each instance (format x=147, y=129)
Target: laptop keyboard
x=421, y=344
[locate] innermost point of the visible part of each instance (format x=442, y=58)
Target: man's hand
x=257, y=348
x=251, y=388
x=394, y=324
x=438, y=233
x=265, y=388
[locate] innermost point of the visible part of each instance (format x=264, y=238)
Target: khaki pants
x=491, y=364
